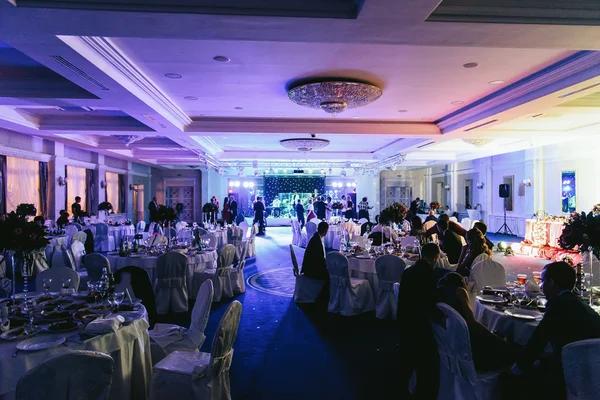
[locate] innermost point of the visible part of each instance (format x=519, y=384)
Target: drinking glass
x=537, y=276
x=520, y=295
x=402, y=251
x=118, y=299
x=46, y=283
x=522, y=279
x=541, y=303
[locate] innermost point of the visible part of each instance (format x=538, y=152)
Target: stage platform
x=272, y=221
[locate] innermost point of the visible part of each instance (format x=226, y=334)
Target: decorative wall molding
x=105, y=55
x=208, y=144
x=30, y=155
x=577, y=68
x=9, y=114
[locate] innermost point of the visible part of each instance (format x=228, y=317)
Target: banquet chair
x=235, y=238
x=103, y=241
x=408, y=241
x=348, y=296
x=396, y=291
x=58, y=258
x=167, y=338
x=78, y=226
x=458, y=378
x=212, y=240
x=252, y=241
x=362, y=221
x=367, y=226
x=137, y=282
x=70, y=230
x=311, y=228
x=389, y=271
x=244, y=227
x=306, y=290
x=238, y=283
x=466, y=223
x=221, y=276
x=77, y=374
x=580, y=364
x=361, y=241
x=479, y=258
x=69, y=260
x=94, y=263
x=190, y=375
x=473, y=223
x=181, y=225
x=140, y=227
x=80, y=237
x=485, y=273
x=92, y=228
x=57, y=274
x=454, y=219
x=295, y=232
x=171, y=285
x=378, y=238
x=427, y=225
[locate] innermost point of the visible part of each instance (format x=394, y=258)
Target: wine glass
x=66, y=283
x=537, y=276
x=522, y=279
x=46, y=283
x=520, y=295
x=118, y=299
x=402, y=251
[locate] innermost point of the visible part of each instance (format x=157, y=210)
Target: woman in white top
x=328, y=209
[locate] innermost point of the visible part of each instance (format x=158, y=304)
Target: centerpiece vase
x=26, y=272
x=11, y=257
x=591, y=275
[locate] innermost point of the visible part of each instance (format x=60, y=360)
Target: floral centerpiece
x=105, y=206
x=393, y=213
x=26, y=210
x=582, y=233
x=210, y=207
x=164, y=215
x=337, y=206
x=596, y=209
x=434, y=205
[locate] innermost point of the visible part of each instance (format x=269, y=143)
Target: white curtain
x=22, y=183
x=76, y=186
x=112, y=190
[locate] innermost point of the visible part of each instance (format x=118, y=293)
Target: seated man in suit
x=453, y=226
x=450, y=241
x=313, y=264
x=567, y=319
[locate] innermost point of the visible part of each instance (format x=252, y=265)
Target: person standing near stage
x=320, y=208
x=349, y=209
x=328, y=209
x=363, y=209
x=259, y=215
x=300, y=213
x=226, y=214
x=233, y=209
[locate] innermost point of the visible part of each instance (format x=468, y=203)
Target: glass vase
x=11, y=257
x=26, y=272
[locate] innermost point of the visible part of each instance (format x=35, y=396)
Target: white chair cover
x=473, y=223
x=360, y=241
x=103, y=241
x=140, y=227
x=252, y=241
x=311, y=228
x=78, y=251
x=184, y=375
x=80, y=237
x=212, y=240
x=238, y=283
x=348, y=296
x=75, y=375
x=389, y=271
x=167, y=338
x=295, y=232
x=479, y=258
x=458, y=378
x=78, y=226
x=485, y=273
x=93, y=264
x=235, y=237
x=181, y=225
x=58, y=258
x=581, y=365
x=362, y=221
x=454, y=219
x=466, y=223
x=92, y=229
x=244, y=227
x=306, y=289
x=57, y=274
x=70, y=230
x=221, y=276
x=171, y=285
x=69, y=260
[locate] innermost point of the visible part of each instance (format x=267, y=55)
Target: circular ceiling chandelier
x=478, y=142
x=304, y=144
x=334, y=96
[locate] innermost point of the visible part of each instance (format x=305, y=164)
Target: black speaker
x=504, y=190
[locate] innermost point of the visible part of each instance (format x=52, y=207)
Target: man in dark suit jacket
x=233, y=209
x=414, y=206
x=450, y=241
x=320, y=208
x=313, y=264
x=300, y=213
x=416, y=302
x=567, y=319
x=153, y=208
x=453, y=226
x=259, y=215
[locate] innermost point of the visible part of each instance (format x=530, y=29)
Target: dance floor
x=283, y=351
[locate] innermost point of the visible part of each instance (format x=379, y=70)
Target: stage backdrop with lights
x=275, y=185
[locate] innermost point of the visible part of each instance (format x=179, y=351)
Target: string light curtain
x=275, y=185
x=112, y=190
x=22, y=183
x=76, y=186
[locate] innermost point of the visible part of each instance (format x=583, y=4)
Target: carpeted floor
x=285, y=352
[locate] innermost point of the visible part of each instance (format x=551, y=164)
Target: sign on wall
x=568, y=192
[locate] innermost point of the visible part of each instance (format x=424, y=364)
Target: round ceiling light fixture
x=190, y=98
x=173, y=76
x=304, y=145
x=238, y=108
x=478, y=142
x=498, y=82
x=222, y=59
x=456, y=103
x=402, y=111
x=334, y=96
x=471, y=65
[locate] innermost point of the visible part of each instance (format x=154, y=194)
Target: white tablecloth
x=197, y=262
x=221, y=235
x=129, y=347
x=121, y=232
x=519, y=330
x=364, y=268
x=57, y=240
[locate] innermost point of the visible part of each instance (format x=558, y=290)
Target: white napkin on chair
x=105, y=325
x=165, y=334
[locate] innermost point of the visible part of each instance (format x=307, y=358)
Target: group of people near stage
x=321, y=209
x=535, y=373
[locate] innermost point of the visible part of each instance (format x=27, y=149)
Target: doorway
x=138, y=203
x=181, y=194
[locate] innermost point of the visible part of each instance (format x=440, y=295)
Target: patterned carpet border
x=279, y=282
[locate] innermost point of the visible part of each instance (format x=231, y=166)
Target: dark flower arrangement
x=210, y=207
x=393, y=213
x=581, y=232
x=105, y=206
x=25, y=210
x=434, y=205
x=20, y=236
x=163, y=215
x=337, y=206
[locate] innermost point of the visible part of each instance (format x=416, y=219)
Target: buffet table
x=129, y=347
x=543, y=232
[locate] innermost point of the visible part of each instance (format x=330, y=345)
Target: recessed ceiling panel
x=347, y=9
x=548, y=12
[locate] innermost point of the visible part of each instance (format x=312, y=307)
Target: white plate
x=40, y=343
x=523, y=314
x=129, y=316
x=10, y=334
x=136, y=255
x=364, y=256
x=491, y=299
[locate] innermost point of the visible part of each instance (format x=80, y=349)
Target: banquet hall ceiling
x=81, y=76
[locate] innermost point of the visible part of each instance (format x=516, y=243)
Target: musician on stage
x=276, y=206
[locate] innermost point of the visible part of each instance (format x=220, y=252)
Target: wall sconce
x=103, y=184
x=527, y=182
x=447, y=187
x=62, y=181
x=480, y=185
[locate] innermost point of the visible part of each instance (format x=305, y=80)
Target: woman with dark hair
x=417, y=228
x=476, y=245
x=226, y=213
x=349, y=209
x=488, y=350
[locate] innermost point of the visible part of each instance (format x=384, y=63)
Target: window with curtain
x=112, y=190
x=76, y=186
x=22, y=183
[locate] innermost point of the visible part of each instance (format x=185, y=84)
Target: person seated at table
x=453, y=226
x=416, y=303
x=431, y=216
x=417, y=228
x=450, y=241
x=489, y=351
x=483, y=228
x=40, y=220
x=384, y=229
x=567, y=319
x=475, y=246
x=314, y=265
x=63, y=219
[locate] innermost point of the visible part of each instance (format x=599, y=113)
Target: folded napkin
x=532, y=286
x=105, y=325
x=165, y=334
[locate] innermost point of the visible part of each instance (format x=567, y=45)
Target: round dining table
x=221, y=235
x=496, y=320
x=121, y=232
x=129, y=347
x=364, y=268
x=196, y=262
